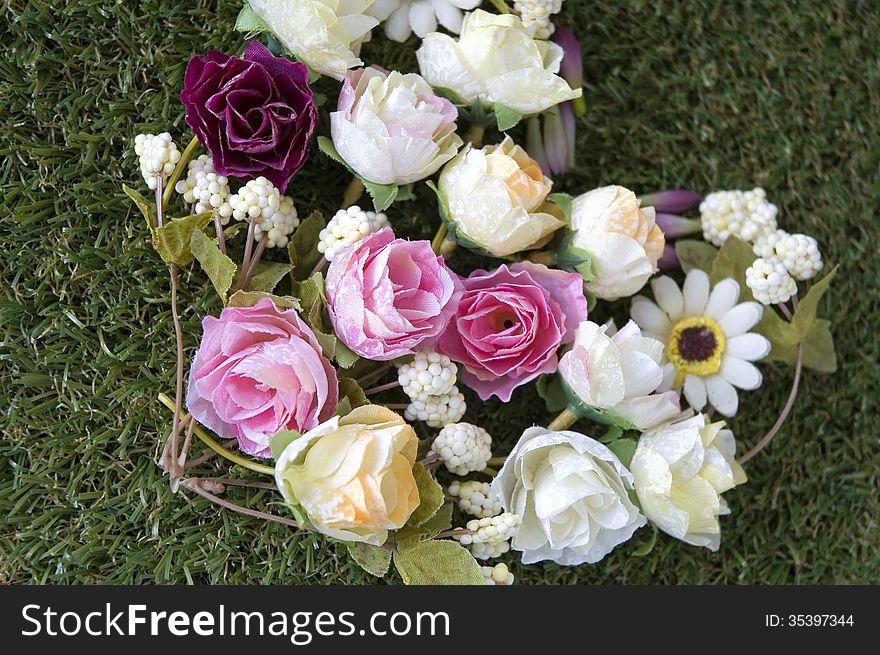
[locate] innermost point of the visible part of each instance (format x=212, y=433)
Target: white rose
x=496, y=60
x=680, y=470
x=326, y=35
x=571, y=493
x=391, y=128
x=496, y=197
x=618, y=375
x=622, y=240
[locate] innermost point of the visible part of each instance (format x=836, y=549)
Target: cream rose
x=352, y=476
x=326, y=35
x=680, y=471
x=571, y=493
x=391, y=128
x=496, y=60
x=496, y=197
x=621, y=239
x=617, y=374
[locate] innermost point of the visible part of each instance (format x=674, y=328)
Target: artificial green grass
x=705, y=95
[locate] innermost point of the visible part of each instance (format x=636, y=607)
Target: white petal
x=741, y=319
x=722, y=299
x=750, y=347
x=740, y=373
x=422, y=18
x=722, y=395
x=397, y=26
x=650, y=317
x=695, y=292
x=695, y=391
x=448, y=15
x=668, y=296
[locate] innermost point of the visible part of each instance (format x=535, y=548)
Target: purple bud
x=668, y=260
x=572, y=67
x=535, y=144
x=568, y=120
x=674, y=226
x=674, y=201
x=555, y=141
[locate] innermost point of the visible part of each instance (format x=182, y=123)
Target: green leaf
x=450, y=95
x=819, y=353
x=405, y=192
x=375, y=560
x=350, y=390
x=148, y=209
x=695, y=254
x=805, y=314
x=613, y=433
x=267, y=276
x=281, y=440
x=732, y=261
x=173, y=240
x=325, y=145
x=336, y=350
x=550, y=389
x=437, y=562
x=311, y=297
x=410, y=535
x=431, y=496
x=219, y=268
x=251, y=298
x=624, y=449
x=303, y=246
x=505, y=117
x=573, y=259
x=648, y=546
x=782, y=335
x=383, y=195
x=582, y=410
x=563, y=201
x=248, y=21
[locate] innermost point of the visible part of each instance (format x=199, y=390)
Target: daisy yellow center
x=695, y=347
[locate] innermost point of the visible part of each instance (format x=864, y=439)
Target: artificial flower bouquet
x=320, y=316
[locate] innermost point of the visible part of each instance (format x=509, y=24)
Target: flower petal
x=695, y=391
x=741, y=319
x=695, y=292
x=740, y=373
x=668, y=296
x=722, y=299
x=722, y=395
x=750, y=347
x=650, y=318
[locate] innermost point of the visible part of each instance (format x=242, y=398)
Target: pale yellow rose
x=352, y=475
x=496, y=197
x=497, y=61
x=622, y=239
x=326, y=35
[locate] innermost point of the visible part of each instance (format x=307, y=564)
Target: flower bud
x=671, y=201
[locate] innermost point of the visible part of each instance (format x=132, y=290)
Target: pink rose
x=388, y=296
x=510, y=323
x=259, y=370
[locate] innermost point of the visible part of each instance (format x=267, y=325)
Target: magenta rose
x=510, y=323
x=259, y=370
x=254, y=115
x=388, y=296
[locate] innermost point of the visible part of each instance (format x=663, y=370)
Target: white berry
x=157, y=155
x=770, y=281
x=489, y=551
x=272, y=214
x=348, y=226
x=463, y=447
x=428, y=374
x=535, y=15
x=744, y=214
x=497, y=575
x=799, y=253
x=475, y=498
x=204, y=188
x=490, y=537
x=438, y=410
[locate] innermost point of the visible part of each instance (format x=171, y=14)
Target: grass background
x=704, y=95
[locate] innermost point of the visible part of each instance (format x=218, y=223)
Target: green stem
x=185, y=156
x=565, y=420
x=437, y=241
x=219, y=449
x=501, y=6
x=475, y=135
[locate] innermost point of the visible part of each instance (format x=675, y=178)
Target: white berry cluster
x=157, y=155
x=490, y=537
x=770, y=281
x=347, y=227
x=463, y=447
x=438, y=410
x=428, y=374
x=203, y=187
x=744, y=214
x=536, y=15
x=474, y=498
x=799, y=253
x=497, y=575
x=272, y=214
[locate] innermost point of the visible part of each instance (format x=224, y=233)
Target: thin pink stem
x=382, y=387
x=785, y=311
x=221, y=237
x=193, y=485
x=785, y=410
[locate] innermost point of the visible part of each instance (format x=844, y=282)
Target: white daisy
x=707, y=337
x=403, y=17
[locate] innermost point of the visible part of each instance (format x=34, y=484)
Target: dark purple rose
x=254, y=115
